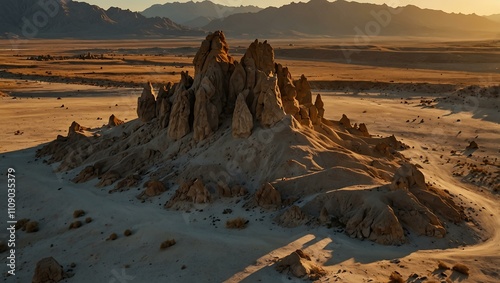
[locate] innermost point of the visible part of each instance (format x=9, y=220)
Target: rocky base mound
x=249, y=130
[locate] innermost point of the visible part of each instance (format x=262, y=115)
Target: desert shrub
x=78, y=213
x=127, y=233
x=167, y=244
x=31, y=227
x=21, y=223
x=461, y=268
x=75, y=225
x=88, y=219
x=442, y=265
x=237, y=223
x=396, y=278
x=112, y=237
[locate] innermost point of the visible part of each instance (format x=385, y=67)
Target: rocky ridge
x=249, y=130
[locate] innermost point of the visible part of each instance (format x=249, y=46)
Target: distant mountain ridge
x=196, y=14
x=343, y=18
x=67, y=18
x=495, y=17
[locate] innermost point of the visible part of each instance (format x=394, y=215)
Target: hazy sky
x=481, y=7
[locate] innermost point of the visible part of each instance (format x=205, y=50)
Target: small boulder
x=48, y=270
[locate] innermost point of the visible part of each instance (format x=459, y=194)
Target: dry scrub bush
x=442, y=265
x=127, y=233
x=88, y=219
x=78, y=213
x=167, y=244
x=237, y=223
x=112, y=237
x=461, y=268
x=396, y=278
x=75, y=225
x=31, y=227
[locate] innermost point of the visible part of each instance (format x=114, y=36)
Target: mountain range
x=196, y=14
x=495, y=17
x=343, y=18
x=72, y=19
x=66, y=18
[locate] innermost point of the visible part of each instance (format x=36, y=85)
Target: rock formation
x=250, y=123
x=114, y=121
x=146, y=104
x=48, y=270
x=300, y=265
x=163, y=104
x=201, y=104
x=304, y=94
x=191, y=192
x=179, y=125
x=153, y=189
x=242, y=118
x=268, y=197
x=380, y=214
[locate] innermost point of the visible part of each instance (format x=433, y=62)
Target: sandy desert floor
x=394, y=87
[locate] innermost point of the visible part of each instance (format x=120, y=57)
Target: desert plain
x=434, y=96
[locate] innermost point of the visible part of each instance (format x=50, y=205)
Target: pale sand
x=213, y=253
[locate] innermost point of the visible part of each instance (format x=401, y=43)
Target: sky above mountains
x=480, y=7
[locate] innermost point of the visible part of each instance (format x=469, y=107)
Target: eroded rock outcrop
x=287, y=140
x=242, y=118
x=268, y=106
x=268, y=197
x=153, y=188
x=179, y=125
x=381, y=214
x=163, y=104
x=191, y=192
x=146, y=104
x=114, y=121
x=206, y=113
x=304, y=94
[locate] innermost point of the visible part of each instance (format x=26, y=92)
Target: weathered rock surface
x=191, y=192
x=153, y=188
x=206, y=126
x=146, y=104
x=268, y=197
x=163, y=104
x=179, y=125
x=268, y=109
x=242, y=118
x=304, y=94
x=114, y=121
x=206, y=114
x=380, y=214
